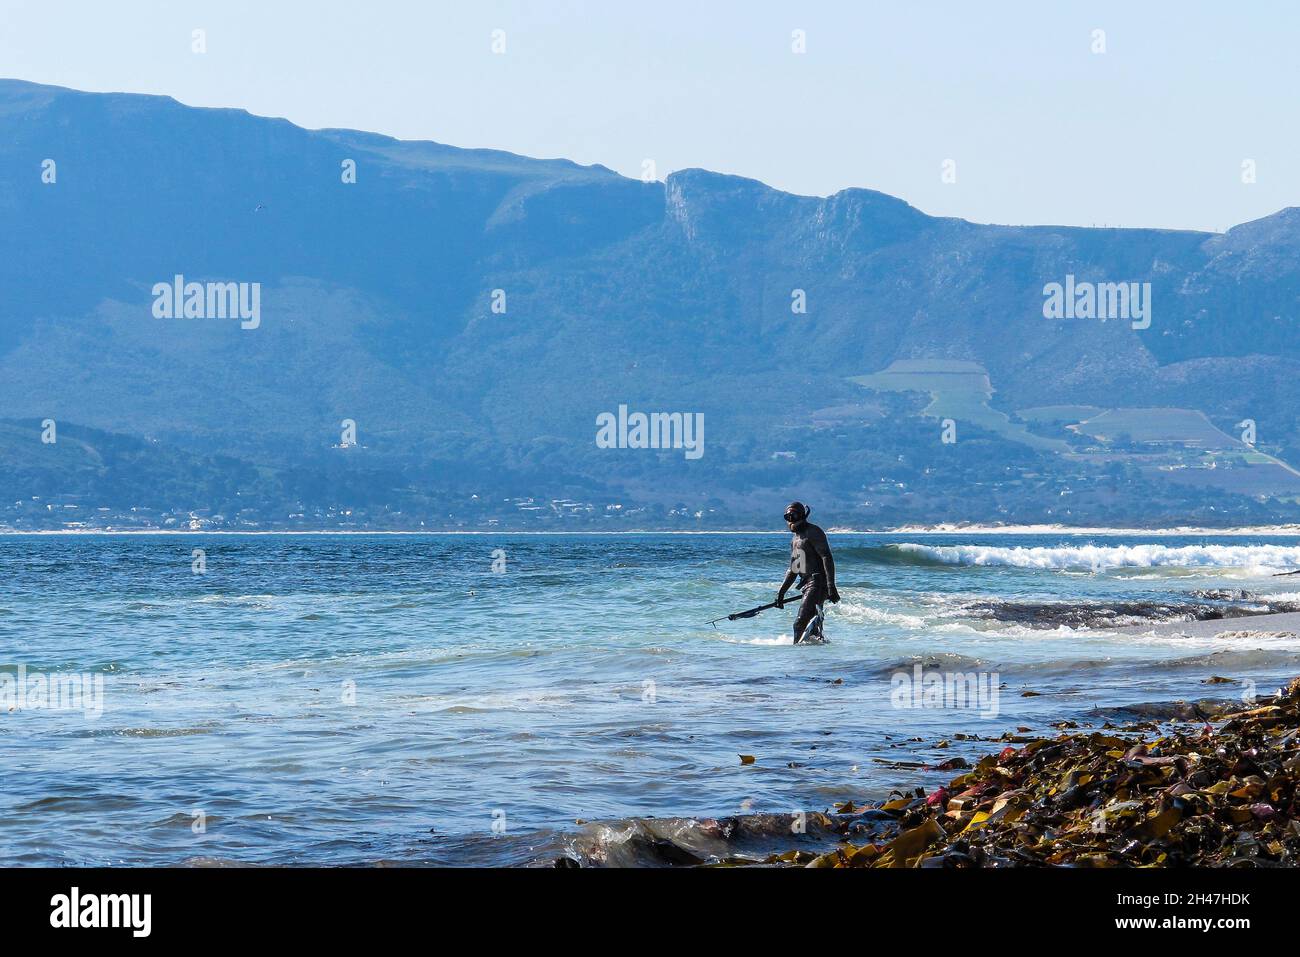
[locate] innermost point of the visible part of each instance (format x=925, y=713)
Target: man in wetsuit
x=811, y=563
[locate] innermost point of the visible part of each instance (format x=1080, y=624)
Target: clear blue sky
x=1151, y=133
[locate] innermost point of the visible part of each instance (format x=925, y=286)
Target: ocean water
x=353, y=699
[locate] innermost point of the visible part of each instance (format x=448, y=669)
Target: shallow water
x=356, y=699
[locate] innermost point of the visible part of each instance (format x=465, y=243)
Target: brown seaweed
x=1201, y=795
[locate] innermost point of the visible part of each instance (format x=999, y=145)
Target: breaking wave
x=1103, y=557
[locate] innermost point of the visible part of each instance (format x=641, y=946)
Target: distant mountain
x=380, y=303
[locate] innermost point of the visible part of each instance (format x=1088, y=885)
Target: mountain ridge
x=361, y=135
x=473, y=311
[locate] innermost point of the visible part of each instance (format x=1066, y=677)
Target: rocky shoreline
x=1217, y=786
x=1223, y=794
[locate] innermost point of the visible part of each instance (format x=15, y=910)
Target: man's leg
x=812, y=600
x=818, y=626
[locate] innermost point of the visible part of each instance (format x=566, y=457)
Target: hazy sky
x=1152, y=132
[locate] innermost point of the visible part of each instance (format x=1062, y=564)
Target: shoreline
x=1171, y=796
x=1192, y=782
x=1164, y=793
x=1271, y=531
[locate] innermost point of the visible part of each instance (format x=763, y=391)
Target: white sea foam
x=950, y=528
x=859, y=613
x=778, y=640
x=1102, y=557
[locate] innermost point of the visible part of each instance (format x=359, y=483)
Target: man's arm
x=785, y=586
x=824, y=549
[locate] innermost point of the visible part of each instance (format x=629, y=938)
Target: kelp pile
x=1200, y=795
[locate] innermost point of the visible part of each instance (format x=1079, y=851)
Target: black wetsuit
x=807, y=546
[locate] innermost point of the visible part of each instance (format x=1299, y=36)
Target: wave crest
x=1102, y=557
